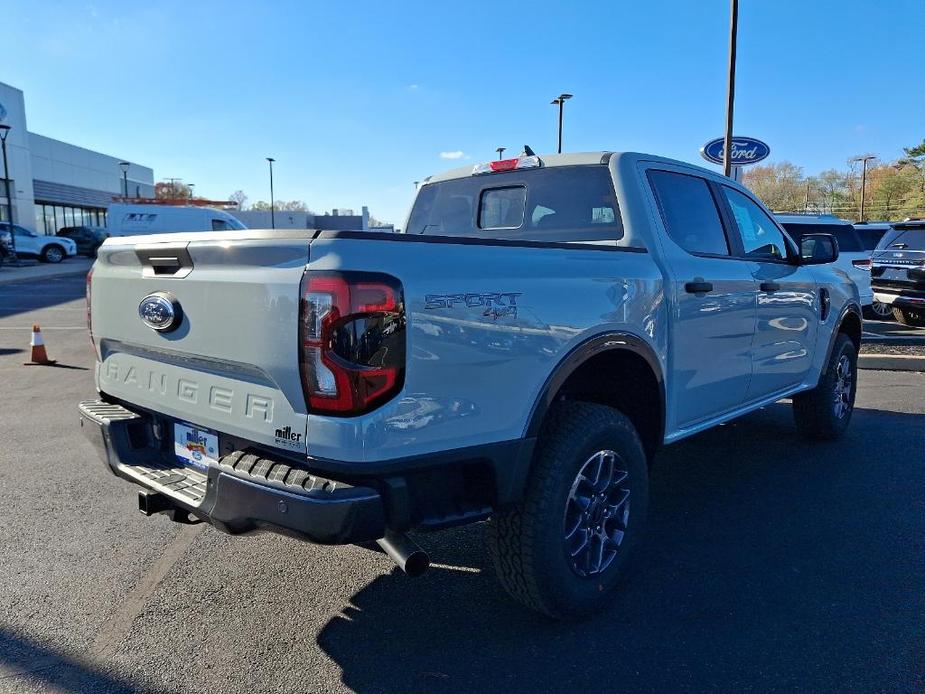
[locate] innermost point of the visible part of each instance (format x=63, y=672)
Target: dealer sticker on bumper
x=195, y=447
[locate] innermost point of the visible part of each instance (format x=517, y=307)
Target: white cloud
x=455, y=154
x=414, y=87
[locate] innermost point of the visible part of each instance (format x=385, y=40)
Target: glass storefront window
x=50, y=227
x=59, y=218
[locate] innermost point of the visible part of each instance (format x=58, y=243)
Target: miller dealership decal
x=287, y=437
x=496, y=304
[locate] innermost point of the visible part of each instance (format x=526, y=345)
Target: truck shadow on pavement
x=31, y=666
x=770, y=563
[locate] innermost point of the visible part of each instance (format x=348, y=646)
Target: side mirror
x=818, y=249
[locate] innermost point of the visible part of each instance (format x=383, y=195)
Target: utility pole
x=272, y=203
x=500, y=151
x=731, y=92
x=863, y=161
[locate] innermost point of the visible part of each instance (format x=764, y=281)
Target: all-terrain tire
x=527, y=543
x=817, y=412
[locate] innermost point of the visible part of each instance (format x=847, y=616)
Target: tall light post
x=190, y=186
x=500, y=151
x=863, y=161
x=124, y=166
x=731, y=90
x=272, y=210
x=560, y=101
x=4, y=131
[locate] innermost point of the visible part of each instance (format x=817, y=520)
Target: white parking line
x=47, y=327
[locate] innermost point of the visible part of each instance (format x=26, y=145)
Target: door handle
x=698, y=286
x=769, y=286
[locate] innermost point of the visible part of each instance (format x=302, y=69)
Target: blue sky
x=356, y=100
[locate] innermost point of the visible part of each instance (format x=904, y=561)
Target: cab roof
x=570, y=159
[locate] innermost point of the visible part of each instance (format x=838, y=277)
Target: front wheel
x=563, y=549
x=824, y=412
x=53, y=254
x=911, y=317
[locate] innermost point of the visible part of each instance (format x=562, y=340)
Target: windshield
x=566, y=203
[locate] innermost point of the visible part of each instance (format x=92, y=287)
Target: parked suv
x=898, y=271
x=853, y=257
x=88, y=239
x=48, y=249
x=519, y=355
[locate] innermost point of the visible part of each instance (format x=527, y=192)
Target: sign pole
x=730, y=98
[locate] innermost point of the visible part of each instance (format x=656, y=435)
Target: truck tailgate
x=232, y=362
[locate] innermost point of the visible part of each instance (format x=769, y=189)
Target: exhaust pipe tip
x=405, y=552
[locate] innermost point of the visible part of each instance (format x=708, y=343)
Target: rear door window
x=563, y=203
x=689, y=212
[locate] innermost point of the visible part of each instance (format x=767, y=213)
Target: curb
x=891, y=362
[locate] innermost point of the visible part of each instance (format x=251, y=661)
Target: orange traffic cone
x=39, y=356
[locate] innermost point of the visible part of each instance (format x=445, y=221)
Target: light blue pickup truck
x=519, y=355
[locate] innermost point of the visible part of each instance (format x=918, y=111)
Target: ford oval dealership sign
x=745, y=151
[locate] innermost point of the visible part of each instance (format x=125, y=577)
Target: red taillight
x=352, y=336
x=862, y=264
x=89, y=312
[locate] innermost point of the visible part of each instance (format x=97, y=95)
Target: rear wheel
x=907, y=316
x=564, y=548
x=824, y=412
x=53, y=254
x=878, y=311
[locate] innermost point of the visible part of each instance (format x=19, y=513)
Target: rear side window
x=870, y=237
x=219, y=225
x=563, y=203
x=689, y=212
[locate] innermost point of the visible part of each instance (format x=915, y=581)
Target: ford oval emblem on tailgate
x=160, y=311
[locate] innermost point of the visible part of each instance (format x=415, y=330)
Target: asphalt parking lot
x=771, y=565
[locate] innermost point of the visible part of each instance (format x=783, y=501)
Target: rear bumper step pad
x=243, y=493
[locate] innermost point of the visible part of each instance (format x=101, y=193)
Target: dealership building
x=54, y=184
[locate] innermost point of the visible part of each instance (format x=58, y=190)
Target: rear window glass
x=563, y=203
x=847, y=237
x=903, y=240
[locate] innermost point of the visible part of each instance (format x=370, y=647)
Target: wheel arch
x=587, y=370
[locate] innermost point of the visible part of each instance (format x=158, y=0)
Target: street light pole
x=500, y=151
x=731, y=93
x=863, y=161
x=272, y=203
x=124, y=166
x=190, y=186
x=560, y=100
